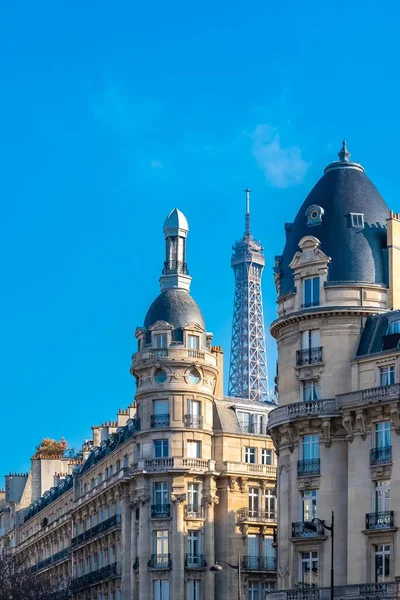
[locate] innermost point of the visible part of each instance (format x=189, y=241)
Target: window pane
x=315, y=290
x=193, y=342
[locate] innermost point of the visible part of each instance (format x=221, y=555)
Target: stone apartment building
x=337, y=426
x=185, y=477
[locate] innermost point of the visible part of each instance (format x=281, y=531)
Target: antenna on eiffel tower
x=248, y=375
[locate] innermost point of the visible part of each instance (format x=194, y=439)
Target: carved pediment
x=310, y=253
x=160, y=325
x=193, y=326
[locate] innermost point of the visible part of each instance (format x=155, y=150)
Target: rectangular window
x=193, y=497
x=161, y=589
x=382, y=434
x=193, y=589
x=194, y=543
x=382, y=563
x=160, y=541
x=160, y=340
x=244, y=421
x=310, y=339
x=249, y=455
x=309, y=505
x=357, y=219
x=161, y=493
x=266, y=456
x=309, y=568
x=193, y=342
x=193, y=449
x=387, y=375
x=160, y=407
x=270, y=504
x=310, y=390
x=194, y=407
x=253, y=545
x=382, y=496
x=257, y=423
x=310, y=447
x=160, y=448
x=254, y=591
x=311, y=292
x=254, y=502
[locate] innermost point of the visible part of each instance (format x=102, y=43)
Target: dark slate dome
x=357, y=253
x=177, y=307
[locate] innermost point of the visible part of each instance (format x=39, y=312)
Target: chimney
x=219, y=385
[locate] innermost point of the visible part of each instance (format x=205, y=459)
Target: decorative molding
x=242, y=481
x=244, y=528
x=143, y=499
x=212, y=499
x=361, y=420
x=326, y=432
x=347, y=423
x=289, y=433
x=285, y=465
x=178, y=374
x=178, y=498
x=395, y=418
x=232, y=482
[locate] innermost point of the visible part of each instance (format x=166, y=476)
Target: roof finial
x=344, y=154
x=247, y=215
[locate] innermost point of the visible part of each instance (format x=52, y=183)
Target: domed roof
x=356, y=252
x=175, y=306
x=176, y=220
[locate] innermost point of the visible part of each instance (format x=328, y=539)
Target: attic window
x=357, y=220
x=394, y=327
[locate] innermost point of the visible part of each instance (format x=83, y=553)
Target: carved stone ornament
x=232, y=481
x=326, y=433
x=244, y=528
x=178, y=498
x=276, y=438
x=143, y=500
x=395, y=417
x=242, y=481
x=347, y=423
x=361, y=420
x=212, y=499
x=288, y=432
x=178, y=374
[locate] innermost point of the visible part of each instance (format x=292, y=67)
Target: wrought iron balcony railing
x=100, y=528
x=256, y=516
x=311, y=466
x=380, y=456
x=158, y=352
x=300, y=530
x=194, y=511
x=158, y=421
x=52, y=560
x=379, y=520
x=309, y=356
x=259, y=563
x=160, y=511
x=193, y=421
x=160, y=561
x=175, y=266
x=195, y=561
x=108, y=572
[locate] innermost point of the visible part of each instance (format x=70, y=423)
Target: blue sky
x=114, y=113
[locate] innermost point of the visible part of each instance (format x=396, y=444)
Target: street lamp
x=238, y=568
x=316, y=524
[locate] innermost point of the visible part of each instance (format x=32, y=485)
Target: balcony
x=258, y=563
x=196, y=354
x=194, y=511
x=308, y=467
x=379, y=520
x=160, y=561
x=195, y=561
x=52, y=560
x=228, y=467
x=380, y=456
x=303, y=410
x=175, y=266
x=366, y=591
x=99, y=529
x=245, y=515
x=193, y=421
x=108, y=572
x=300, y=530
x=160, y=511
x=159, y=421
x=309, y=356
x=158, y=353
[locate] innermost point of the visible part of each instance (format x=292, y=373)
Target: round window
x=161, y=376
x=194, y=376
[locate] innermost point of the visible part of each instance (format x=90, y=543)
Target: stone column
x=178, y=547
x=144, y=544
x=126, y=559
x=209, y=545
x=134, y=548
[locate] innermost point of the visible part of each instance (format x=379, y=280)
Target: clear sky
x=113, y=113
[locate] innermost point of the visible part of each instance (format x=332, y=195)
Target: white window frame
x=382, y=496
x=308, y=558
x=383, y=434
x=160, y=341
x=313, y=301
x=309, y=497
x=161, y=541
x=382, y=550
x=163, y=445
x=254, y=501
x=193, y=341
x=161, y=589
x=311, y=441
x=160, y=493
x=193, y=496
x=193, y=589
x=387, y=375
x=270, y=503
x=193, y=449
x=357, y=220
x=314, y=392
x=249, y=452
x=267, y=456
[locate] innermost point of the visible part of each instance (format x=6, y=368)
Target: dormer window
x=193, y=342
x=357, y=220
x=394, y=327
x=160, y=340
x=311, y=292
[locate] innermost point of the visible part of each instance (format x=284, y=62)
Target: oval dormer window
x=314, y=215
x=161, y=376
x=194, y=376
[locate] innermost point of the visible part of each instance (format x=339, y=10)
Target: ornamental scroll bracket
x=347, y=423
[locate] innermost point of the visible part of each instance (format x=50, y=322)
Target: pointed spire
x=247, y=214
x=344, y=154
